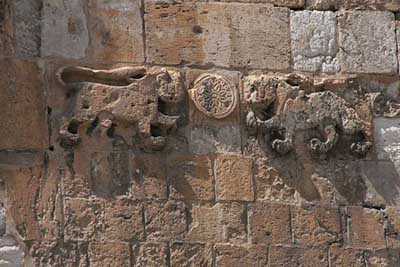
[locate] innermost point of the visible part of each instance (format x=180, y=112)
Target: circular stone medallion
x=214, y=95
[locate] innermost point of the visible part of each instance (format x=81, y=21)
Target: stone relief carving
x=134, y=96
x=279, y=107
x=214, y=95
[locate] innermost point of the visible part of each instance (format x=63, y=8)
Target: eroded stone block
x=223, y=34
x=188, y=255
x=238, y=256
x=367, y=42
x=296, y=256
x=109, y=254
x=343, y=257
x=150, y=255
x=116, y=30
x=190, y=178
x=222, y=222
x=314, y=41
x=64, y=29
x=269, y=223
x=233, y=178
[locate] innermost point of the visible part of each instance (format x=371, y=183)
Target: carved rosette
x=214, y=96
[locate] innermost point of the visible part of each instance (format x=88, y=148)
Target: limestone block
x=234, y=179
x=367, y=227
x=188, y=254
x=109, y=254
x=150, y=255
x=319, y=226
x=165, y=220
x=115, y=29
x=314, y=41
x=238, y=256
x=222, y=222
x=387, y=139
x=11, y=254
x=22, y=106
x=190, y=178
x=269, y=223
x=222, y=34
x=367, y=42
x=64, y=29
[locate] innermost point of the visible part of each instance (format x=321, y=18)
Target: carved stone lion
x=276, y=105
x=134, y=96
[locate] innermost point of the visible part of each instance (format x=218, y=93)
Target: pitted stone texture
x=222, y=222
x=390, y=5
x=191, y=255
x=234, y=179
x=314, y=41
x=344, y=257
x=109, y=254
x=317, y=226
x=240, y=256
x=22, y=106
x=269, y=223
x=387, y=139
x=64, y=29
x=190, y=178
x=62, y=254
x=280, y=256
x=150, y=255
x=367, y=42
x=383, y=258
x=116, y=30
x=222, y=34
x=165, y=220
x=367, y=227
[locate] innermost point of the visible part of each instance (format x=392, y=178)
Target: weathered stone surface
x=366, y=227
x=210, y=140
x=60, y=254
x=22, y=106
x=238, y=256
x=270, y=183
x=150, y=255
x=109, y=254
x=116, y=31
x=149, y=177
x=391, y=5
x=314, y=41
x=64, y=29
x=165, y=220
x=269, y=223
x=191, y=255
x=216, y=33
x=296, y=256
x=316, y=226
x=383, y=258
x=234, y=179
x=367, y=42
x=27, y=27
x=190, y=178
x=343, y=257
x=222, y=222
x=11, y=253
x=6, y=30
x=387, y=144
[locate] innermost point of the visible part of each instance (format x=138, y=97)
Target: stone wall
x=200, y=133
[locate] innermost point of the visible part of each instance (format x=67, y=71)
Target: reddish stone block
x=222, y=222
x=383, y=258
x=234, y=179
x=344, y=257
x=150, y=255
x=366, y=227
x=239, y=256
x=295, y=256
x=269, y=223
x=109, y=254
x=191, y=255
x=316, y=225
x=165, y=221
x=190, y=178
